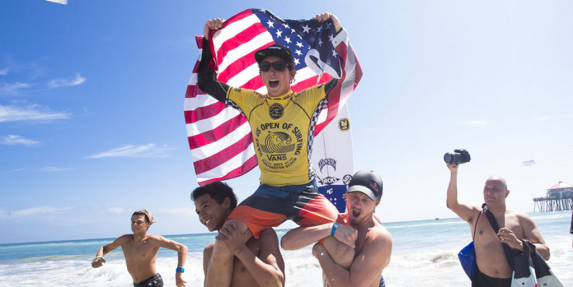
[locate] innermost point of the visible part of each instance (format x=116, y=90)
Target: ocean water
x=424, y=254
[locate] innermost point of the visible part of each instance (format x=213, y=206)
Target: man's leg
x=220, y=271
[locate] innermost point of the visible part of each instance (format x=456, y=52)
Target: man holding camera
x=493, y=268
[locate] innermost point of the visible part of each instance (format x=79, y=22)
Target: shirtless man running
x=490, y=257
x=140, y=251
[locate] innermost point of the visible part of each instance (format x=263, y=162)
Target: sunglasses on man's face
x=279, y=66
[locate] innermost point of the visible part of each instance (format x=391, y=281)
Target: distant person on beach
x=490, y=257
x=282, y=124
x=571, y=229
x=359, y=228
x=140, y=251
x=258, y=262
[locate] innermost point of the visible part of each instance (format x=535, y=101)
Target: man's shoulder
x=380, y=233
x=209, y=248
x=124, y=238
x=309, y=91
x=154, y=238
x=246, y=92
x=515, y=213
x=523, y=217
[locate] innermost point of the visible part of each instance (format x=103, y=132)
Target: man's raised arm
x=206, y=77
x=464, y=211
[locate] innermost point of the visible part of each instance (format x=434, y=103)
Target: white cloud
x=30, y=113
x=4, y=72
x=541, y=119
x=56, y=83
x=55, y=169
x=29, y=70
x=14, y=139
x=477, y=123
x=34, y=211
x=59, y=1
x=11, y=89
x=116, y=210
x=178, y=211
x=134, y=151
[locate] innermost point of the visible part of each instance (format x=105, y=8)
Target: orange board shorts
x=270, y=206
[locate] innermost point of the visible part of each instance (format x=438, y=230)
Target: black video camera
x=458, y=156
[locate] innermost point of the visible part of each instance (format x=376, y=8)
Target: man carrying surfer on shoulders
x=140, y=251
x=258, y=262
x=493, y=267
x=279, y=120
x=373, y=241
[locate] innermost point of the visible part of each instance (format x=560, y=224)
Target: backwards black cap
x=276, y=50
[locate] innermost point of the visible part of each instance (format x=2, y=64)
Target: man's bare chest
x=485, y=234
x=139, y=250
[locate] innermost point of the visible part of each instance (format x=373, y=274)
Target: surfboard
x=332, y=159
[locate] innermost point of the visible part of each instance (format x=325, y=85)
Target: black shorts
x=153, y=281
x=482, y=280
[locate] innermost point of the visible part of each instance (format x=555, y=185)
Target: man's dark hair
x=216, y=190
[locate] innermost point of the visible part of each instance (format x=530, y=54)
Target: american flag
x=219, y=136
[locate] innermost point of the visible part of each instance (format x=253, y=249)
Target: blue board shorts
x=271, y=205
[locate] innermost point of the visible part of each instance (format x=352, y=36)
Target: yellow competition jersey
x=282, y=128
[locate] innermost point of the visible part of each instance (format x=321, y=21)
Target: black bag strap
x=475, y=226
x=506, y=249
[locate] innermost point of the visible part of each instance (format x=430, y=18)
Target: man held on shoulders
x=288, y=188
x=494, y=269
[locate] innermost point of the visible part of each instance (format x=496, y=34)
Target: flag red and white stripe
x=219, y=136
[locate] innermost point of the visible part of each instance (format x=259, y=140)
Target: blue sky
x=91, y=106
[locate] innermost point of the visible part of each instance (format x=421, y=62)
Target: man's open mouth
x=356, y=214
x=273, y=83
